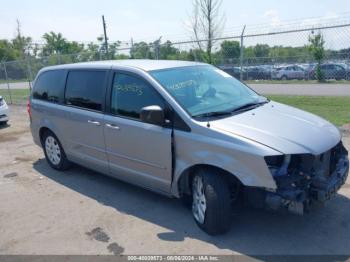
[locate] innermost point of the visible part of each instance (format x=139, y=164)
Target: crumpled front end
x=304, y=179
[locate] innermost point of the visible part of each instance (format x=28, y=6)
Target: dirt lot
x=82, y=212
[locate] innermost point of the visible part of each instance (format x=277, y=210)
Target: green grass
x=304, y=82
x=334, y=109
x=18, y=95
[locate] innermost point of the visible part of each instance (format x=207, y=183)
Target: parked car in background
x=234, y=71
x=331, y=71
x=347, y=69
x=308, y=70
x=187, y=130
x=257, y=73
x=288, y=72
x=4, y=111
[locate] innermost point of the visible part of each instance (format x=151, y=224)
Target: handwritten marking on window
x=132, y=88
x=184, y=84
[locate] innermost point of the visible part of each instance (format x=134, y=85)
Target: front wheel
x=211, y=207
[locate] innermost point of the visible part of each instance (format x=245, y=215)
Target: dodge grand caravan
x=187, y=130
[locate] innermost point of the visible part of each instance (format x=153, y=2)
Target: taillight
x=28, y=109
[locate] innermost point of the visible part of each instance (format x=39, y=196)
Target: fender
x=244, y=160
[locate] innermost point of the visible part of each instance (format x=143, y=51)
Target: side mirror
x=153, y=115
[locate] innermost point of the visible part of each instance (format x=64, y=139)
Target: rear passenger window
x=130, y=94
x=85, y=89
x=50, y=86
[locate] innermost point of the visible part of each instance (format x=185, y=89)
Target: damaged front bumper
x=323, y=190
x=309, y=179
x=297, y=200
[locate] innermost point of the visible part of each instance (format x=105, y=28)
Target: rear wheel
x=54, y=152
x=211, y=207
x=284, y=78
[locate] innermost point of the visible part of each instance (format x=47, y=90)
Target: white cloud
x=329, y=16
x=129, y=14
x=273, y=17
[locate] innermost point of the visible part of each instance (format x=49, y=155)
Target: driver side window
x=130, y=94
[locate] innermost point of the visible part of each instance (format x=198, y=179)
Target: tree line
x=206, y=23
x=54, y=45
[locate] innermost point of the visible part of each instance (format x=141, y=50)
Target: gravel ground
x=43, y=211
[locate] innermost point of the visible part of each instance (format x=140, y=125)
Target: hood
x=283, y=128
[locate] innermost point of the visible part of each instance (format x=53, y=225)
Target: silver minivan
x=187, y=130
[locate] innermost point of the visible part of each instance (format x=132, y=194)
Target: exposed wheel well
x=42, y=131
x=185, y=181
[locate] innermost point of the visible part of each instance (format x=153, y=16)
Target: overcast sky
x=80, y=20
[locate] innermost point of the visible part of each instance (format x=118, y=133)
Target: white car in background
x=288, y=72
x=4, y=111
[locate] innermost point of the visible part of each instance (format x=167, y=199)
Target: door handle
x=112, y=126
x=94, y=122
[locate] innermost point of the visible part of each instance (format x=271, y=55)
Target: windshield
x=205, y=89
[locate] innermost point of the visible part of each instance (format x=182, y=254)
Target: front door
x=138, y=152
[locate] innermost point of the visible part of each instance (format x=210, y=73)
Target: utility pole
x=7, y=81
x=241, y=57
x=132, y=48
x=157, y=47
x=105, y=34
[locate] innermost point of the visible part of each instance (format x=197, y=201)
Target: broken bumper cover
x=296, y=199
x=324, y=190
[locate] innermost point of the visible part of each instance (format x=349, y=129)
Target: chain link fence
x=262, y=54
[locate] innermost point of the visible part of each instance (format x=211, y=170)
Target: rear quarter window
x=49, y=86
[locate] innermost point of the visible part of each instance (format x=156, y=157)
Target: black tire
x=63, y=163
x=217, y=216
x=284, y=78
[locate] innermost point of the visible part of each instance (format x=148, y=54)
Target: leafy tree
x=261, y=50
x=230, y=50
x=249, y=52
x=55, y=44
x=168, y=51
x=121, y=56
x=92, y=52
x=316, y=48
x=113, y=49
x=141, y=50
x=7, y=52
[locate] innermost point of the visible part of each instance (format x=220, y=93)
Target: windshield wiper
x=213, y=114
x=244, y=107
x=249, y=106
